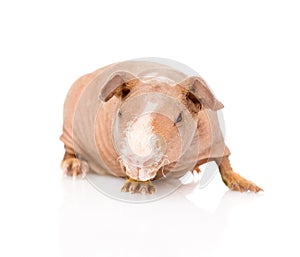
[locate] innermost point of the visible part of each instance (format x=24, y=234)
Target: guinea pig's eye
x=119, y=113
x=179, y=118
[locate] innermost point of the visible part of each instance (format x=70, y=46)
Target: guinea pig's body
x=144, y=120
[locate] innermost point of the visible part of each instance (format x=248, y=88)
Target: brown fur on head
x=155, y=121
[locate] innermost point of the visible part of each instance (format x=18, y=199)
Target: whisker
x=162, y=165
x=162, y=172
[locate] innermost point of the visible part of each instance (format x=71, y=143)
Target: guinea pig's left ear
x=118, y=84
x=198, y=89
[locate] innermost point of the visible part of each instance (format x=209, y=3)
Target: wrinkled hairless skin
x=144, y=121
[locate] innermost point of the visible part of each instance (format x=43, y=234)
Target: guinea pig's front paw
x=74, y=166
x=142, y=187
x=236, y=182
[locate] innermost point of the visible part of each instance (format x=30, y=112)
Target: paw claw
x=74, y=167
x=143, y=191
x=65, y=172
x=135, y=187
x=125, y=187
x=151, y=189
x=237, y=183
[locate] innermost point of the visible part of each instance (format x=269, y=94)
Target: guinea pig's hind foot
x=143, y=187
x=73, y=167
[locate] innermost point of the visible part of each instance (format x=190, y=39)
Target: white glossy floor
x=48, y=215
x=192, y=222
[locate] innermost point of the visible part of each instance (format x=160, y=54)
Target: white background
x=247, y=51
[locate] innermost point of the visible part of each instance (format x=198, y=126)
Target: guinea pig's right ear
x=200, y=94
x=119, y=84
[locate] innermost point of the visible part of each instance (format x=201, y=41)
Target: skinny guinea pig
x=144, y=120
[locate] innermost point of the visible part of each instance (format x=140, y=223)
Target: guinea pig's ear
x=119, y=84
x=197, y=90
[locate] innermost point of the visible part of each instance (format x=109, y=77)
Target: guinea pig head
x=155, y=121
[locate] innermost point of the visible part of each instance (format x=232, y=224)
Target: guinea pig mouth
x=145, y=172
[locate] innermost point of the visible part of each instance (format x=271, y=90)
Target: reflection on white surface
x=92, y=224
x=111, y=187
